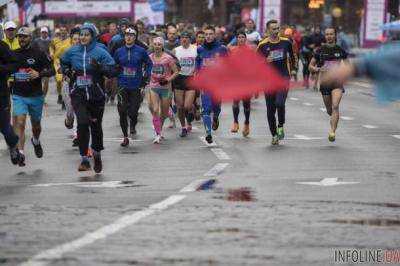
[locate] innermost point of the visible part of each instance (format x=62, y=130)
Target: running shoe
x=63, y=107
x=281, y=133
x=69, y=124
x=21, y=162
x=125, y=142
x=209, y=139
x=235, y=127
x=215, y=123
x=157, y=139
x=15, y=155
x=38, y=149
x=246, y=130
x=84, y=166
x=275, y=140
x=184, y=133
x=133, y=132
x=98, y=164
x=332, y=136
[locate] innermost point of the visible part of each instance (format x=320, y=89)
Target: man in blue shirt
x=131, y=60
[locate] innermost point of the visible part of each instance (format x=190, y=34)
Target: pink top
x=162, y=69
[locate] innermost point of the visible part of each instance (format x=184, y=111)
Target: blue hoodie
x=208, y=52
x=132, y=61
x=88, y=77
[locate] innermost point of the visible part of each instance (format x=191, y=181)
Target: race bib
x=330, y=64
x=84, y=81
x=276, y=55
x=22, y=75
x=158, y=69
x=129, y=72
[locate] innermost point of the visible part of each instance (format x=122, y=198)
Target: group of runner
x=130, y=64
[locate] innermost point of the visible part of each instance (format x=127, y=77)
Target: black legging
x=128, y=106
x=246, y=110
x=89, y=116
x=275, y=102
x=306, y=62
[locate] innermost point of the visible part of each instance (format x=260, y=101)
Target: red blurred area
x=240, y=75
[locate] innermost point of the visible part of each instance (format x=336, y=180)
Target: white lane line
x=217, y=169
x=328, y=182
x=303, y=137
x=221, y=155
x=347, y=118
x=294, y=99
x=107, y=184
x=203, y=139
x=45, y=257
x=192, y=187
x=396, y=136
x=369, y=126
x=308, y=104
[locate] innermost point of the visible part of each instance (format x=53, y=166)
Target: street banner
x=269, y=9
x=374, y=17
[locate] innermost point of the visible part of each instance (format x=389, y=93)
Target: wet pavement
x=242, y=202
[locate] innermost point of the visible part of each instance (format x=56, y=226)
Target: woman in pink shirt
x=164, y=71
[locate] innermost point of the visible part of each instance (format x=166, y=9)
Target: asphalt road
x=294, y=204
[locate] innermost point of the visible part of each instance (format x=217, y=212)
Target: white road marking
x=303, y=137
x=396, y=136
x=193, y=186
x=347, y=118
x=107, y=184
x=294, y=99
x=217, y=169
x=203, y=139
x=308, y=104
x=369, y=126
x=328, y=182
x=45, y=257
x=221, y=155
x=323, y=109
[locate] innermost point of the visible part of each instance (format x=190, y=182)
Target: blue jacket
x=86, y=66
x=131, y=62
x=207, y=53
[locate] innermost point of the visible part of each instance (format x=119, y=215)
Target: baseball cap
x=24, y=31
x=10, y=25
x=130, y=31
x=44, y=29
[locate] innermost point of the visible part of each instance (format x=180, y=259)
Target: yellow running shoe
x=331, y=136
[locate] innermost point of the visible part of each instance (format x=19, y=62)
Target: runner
x=67, y=87
x=135, y=66
x=86, y=64
x=328, y=55
x=206, y=56
x=241, y=38
x=10, y=30
x=8, y=65
x=164, y=71
x=306, y=53
x=184, y=96
x=57, y=48
x=43, y=43
x=28, y=98
x=279, y=53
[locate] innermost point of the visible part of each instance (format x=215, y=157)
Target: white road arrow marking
x=217, y=169
x=107, y=184
x=369, y=126
x=328, y=182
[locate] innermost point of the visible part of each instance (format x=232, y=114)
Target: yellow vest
x=12, y=44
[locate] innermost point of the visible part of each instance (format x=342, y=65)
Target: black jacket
x=8, y=65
